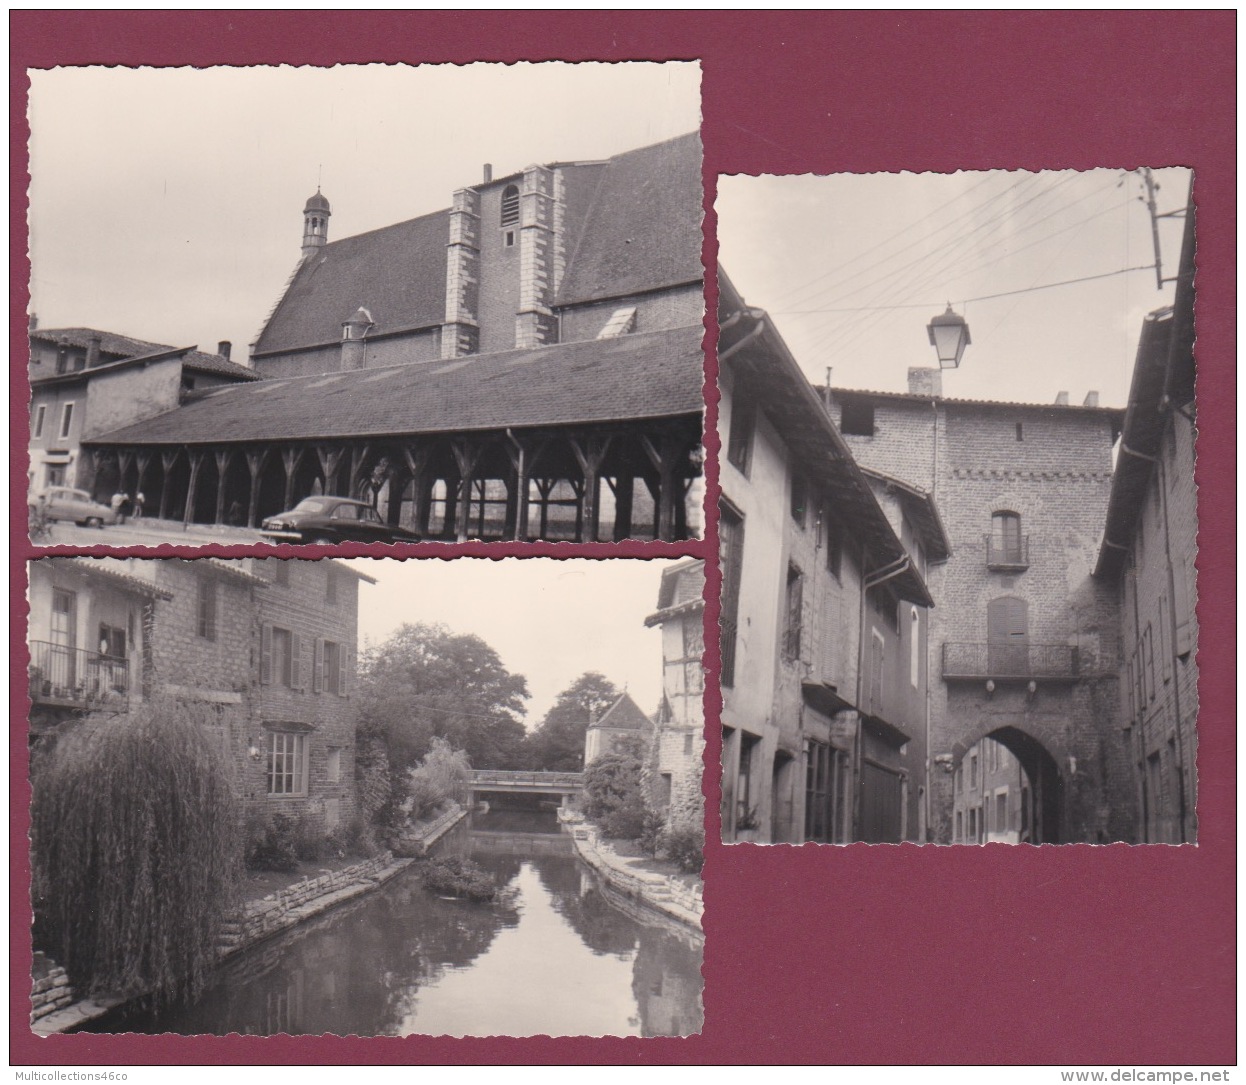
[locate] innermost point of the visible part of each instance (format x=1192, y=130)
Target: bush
x=651, y=832
x=441, y=777
x=683, y=845
x=457, y=877
x=137, y=850
x=612, y=793
x=272, y=843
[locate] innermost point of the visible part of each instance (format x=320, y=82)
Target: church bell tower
x=315, y=224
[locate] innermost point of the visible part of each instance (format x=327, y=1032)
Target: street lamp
x=949, y=335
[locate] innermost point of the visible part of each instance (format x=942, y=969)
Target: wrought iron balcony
x=76, y=677
x=1011, y=554
x=1004, y=662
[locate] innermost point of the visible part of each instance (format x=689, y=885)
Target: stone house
x=623, y=720
x=679, y=733
x=84, y=382
x=989, y=797
x=824, y=611
x=524, y=364
x=268, y=644
x=1024, y=641
x=1148, y=557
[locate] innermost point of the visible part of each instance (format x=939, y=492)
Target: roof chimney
x=93, y=351
x=1062, y=399
x=926, y=381
x=1091, y=400
x=488, y=172
x=223, y=348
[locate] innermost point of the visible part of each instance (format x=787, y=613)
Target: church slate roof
x=643, y=230
x=646, y=375
x=623, y=715
x=638, y=229
x=398, y=272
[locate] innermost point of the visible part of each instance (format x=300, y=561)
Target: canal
x=558, y=954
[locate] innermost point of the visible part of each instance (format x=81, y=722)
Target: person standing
x=139, y=502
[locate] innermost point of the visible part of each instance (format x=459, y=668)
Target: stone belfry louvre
x=1023, y=639
x=523, y=364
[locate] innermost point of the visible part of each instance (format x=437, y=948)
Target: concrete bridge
x=505, y=781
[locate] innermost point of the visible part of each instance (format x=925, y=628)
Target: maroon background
x=860, y=954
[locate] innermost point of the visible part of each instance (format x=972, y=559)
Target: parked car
x=66, y=503
x=333, y=520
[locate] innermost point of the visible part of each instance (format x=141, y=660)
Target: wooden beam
x=255, y=464
x=290, y=460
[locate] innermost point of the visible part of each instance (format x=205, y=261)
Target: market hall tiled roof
x=638, y=230
x=646, y=375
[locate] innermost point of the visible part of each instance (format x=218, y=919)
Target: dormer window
x=510, y=205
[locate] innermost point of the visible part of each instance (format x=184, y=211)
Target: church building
x=524, y=364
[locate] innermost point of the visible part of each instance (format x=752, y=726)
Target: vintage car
x=66, y=503
x=332, y=520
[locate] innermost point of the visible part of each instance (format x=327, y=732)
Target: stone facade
x=823, y=616
x=1046, y=470
x=269, y=644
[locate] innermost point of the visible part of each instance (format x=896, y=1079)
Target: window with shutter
x=1007, y=623
x=730, y=559
x=878, y=659
x=318, y=654
x=266, y=654
x=296, y=661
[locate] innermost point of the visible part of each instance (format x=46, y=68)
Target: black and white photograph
x=958, y=511
x=369, y=303
x=366, y=797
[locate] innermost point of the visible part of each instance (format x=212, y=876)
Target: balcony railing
x=1010, y=661
x=75, y=676
x=1007, y=553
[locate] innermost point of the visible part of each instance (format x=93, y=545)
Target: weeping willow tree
x=136, y=849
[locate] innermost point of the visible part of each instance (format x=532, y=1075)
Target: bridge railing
x=531, y=779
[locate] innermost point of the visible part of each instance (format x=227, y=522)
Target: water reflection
x=559, y=955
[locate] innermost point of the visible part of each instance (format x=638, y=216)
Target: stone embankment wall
x=56, y=1008
x=304, y=899
x=667, y=895
x=419, y=838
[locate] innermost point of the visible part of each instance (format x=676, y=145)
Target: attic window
x=510, y=205
x=621, y=322
x=857, y=419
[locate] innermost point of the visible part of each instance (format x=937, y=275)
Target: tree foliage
x=558, y=744
x=613, y=798
x=428, y=682
x=441, y=777
x=137, y=847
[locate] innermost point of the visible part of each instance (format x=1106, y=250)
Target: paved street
x=149, y=532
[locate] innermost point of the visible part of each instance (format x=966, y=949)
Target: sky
x=548, y=619
x=887, y=252
x=166, y=204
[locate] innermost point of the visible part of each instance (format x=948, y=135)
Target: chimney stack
x=93, y=351
x=1062, y=399
x=926, y=381
x=223, y=348
x=1091, y=400
x=488, y=172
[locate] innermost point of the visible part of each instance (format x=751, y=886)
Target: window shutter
x=266, y=654
x=1182, y=609
x=345, y=670
x=296, y=661
x=318, y=682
